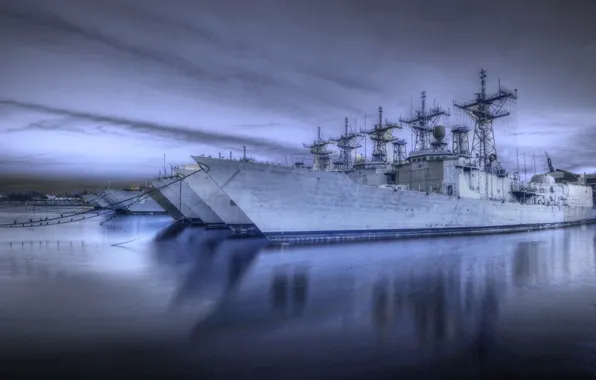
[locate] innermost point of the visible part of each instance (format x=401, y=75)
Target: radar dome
x=439, y=132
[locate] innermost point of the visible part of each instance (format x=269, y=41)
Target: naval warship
x=181, y=202
x=131, y=201
x=433, y=190
x=97, y=200
x=158, y=195
x=215, y=199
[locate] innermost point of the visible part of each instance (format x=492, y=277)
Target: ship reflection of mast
x=289, y=292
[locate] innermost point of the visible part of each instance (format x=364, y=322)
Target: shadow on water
x=441, y=308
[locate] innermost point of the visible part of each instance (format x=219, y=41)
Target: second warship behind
x=180, y=202
x=432, y=191
x=129, y=201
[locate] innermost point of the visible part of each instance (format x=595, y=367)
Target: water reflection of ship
x=438, y=310
x=447, y=303
x=561, y=255
x=289, y=291
x=216, y=270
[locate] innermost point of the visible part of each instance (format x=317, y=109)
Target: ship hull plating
x=100, y=200
x=186, y=203
x=90, y=199
x=158, y=196
x=293, y=205
x=217, y=200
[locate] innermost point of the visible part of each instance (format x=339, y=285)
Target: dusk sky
x=100, y=90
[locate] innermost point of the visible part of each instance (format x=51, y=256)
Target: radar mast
x=381, y=135
x=321, y=156
x=483, y=110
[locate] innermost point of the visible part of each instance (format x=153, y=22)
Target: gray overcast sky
x=104, y=88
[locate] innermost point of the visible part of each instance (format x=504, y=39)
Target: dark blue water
x=114, y=299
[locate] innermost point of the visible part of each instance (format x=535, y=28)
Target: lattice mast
x=460, y=145
x=381, y=135
x=321, y=156
x=483, y=110
x=400, y=155
x=346, y=143
x=423, y=124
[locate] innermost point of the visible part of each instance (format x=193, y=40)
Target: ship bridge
x=429, y=154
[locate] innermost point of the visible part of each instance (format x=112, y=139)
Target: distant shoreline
x=47, y=203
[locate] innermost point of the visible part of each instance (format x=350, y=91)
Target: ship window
x=232, y=203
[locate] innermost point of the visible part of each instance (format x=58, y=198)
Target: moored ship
x=132, y=201
x=182, y=202
x=215, y=199
x=432, y=191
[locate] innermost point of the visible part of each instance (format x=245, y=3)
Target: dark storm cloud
x=313, y=70
x=272, y=124
x=579, y=151
x=261, y=86
x=56, y=22
x=156, y=129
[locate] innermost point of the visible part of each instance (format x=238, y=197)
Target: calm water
x=91, y=297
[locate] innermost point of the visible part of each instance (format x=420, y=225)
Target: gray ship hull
x=188, y=204
x=90, y=200
x=158, y=196
x=217, y=200
x=100, y=200
x=132, y=202
x=293, y=205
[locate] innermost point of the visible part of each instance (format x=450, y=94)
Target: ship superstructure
x=423, y=126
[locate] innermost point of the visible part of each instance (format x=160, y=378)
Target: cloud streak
x=21, y=160
x=157, y=129
x=51, y=125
